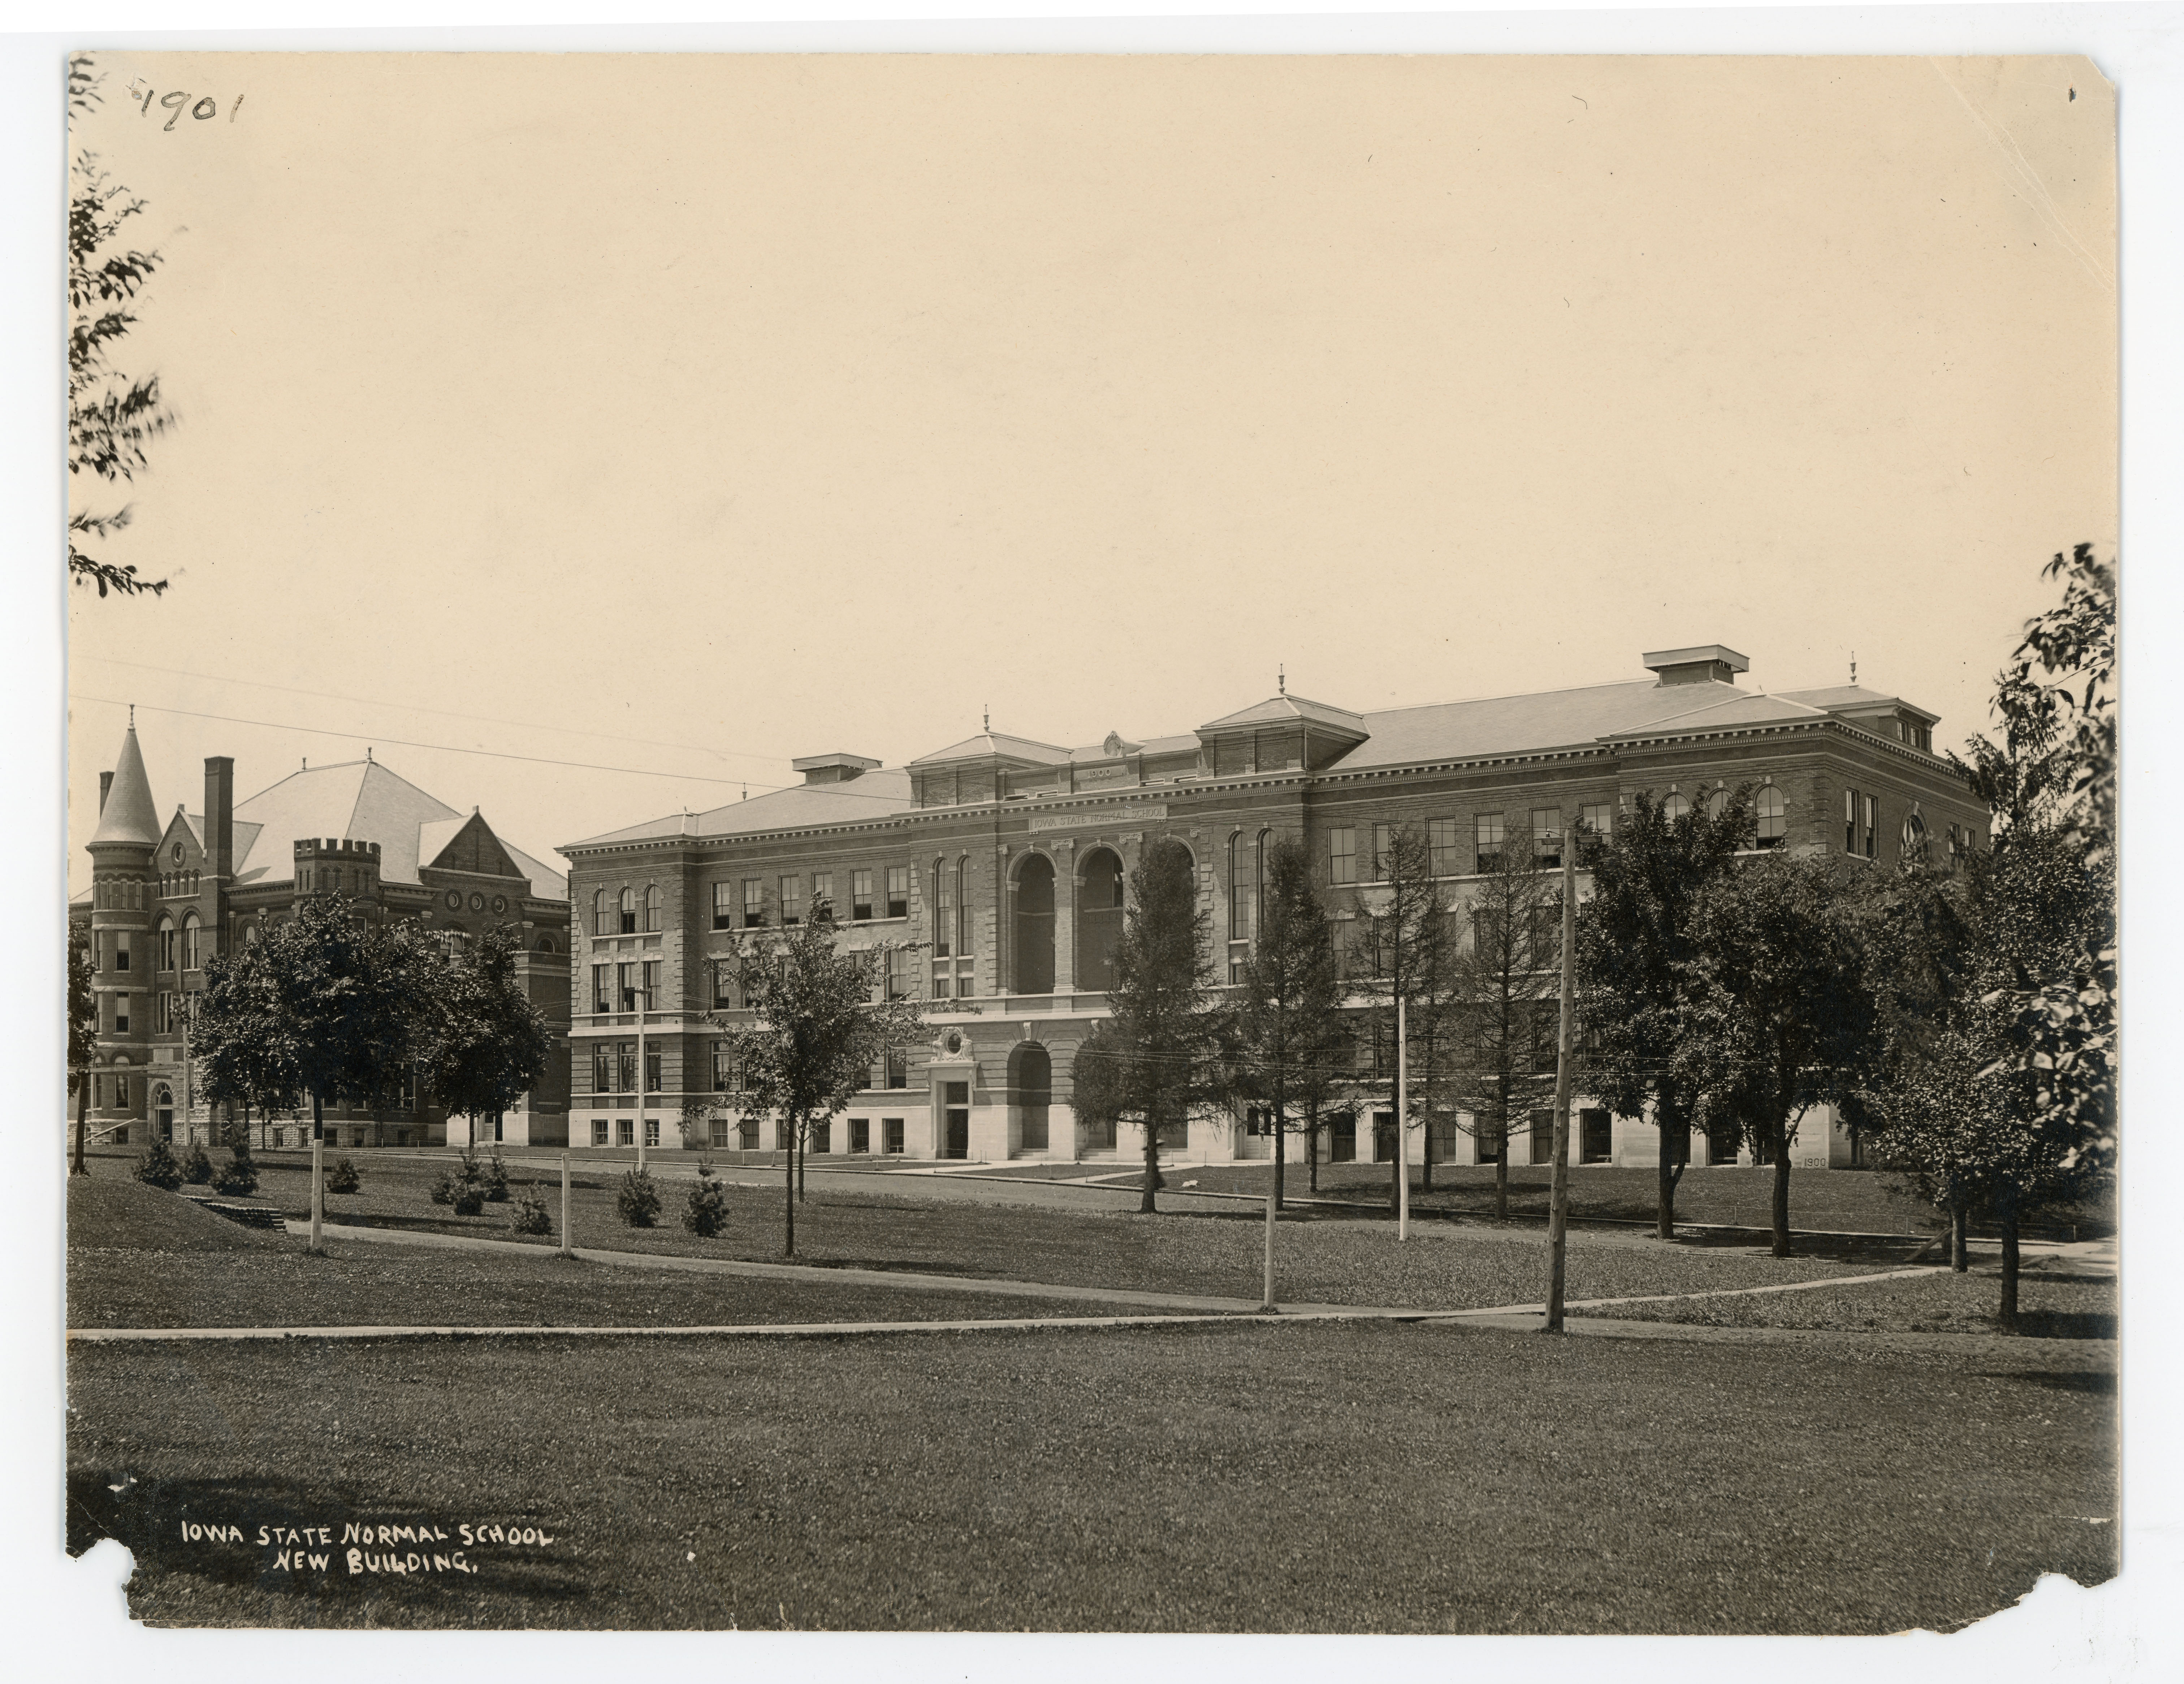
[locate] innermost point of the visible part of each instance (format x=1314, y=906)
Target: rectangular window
x=1384, y=852
x=943, y=913
x=860, y=1134
x=167, y=948
x=121, y=1019
x=891, y=1135
x=1487, y=838
x=1239, y=963
x=625, y=1132
x=626, y=1067
x=651, y=1131
x=1596, y=1136
x=1872, y=837
x=897, y=973
x=651, y=983
x=1547, y=835
x=121, y=949
x=1342, y=854
x=652, y=1069
x=1598, y=818
x=822, y=1137
x=1443, y=855
x=724, y=904
x=724, y=983
x=626, y=986
x=791, y=899
x=746, y=1133
x=753, y=902
x=724, y=1067
x=602, y=1068
x=784, y=1139
x=822, y=892
x=898, y=1069
x=121, y=1093
x=599, y=995
x=898, y=885
x=1850, y=821
x=716, y=1133
x=1543, y=1135
x=860, y=895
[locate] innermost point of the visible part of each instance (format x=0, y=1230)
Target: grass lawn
x=2047, y=1306
x=1839, y=1200
x=1316, y=1262
x=140, y=1258
x=1224, y=1478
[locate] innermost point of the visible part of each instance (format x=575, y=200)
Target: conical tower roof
x=130, y=815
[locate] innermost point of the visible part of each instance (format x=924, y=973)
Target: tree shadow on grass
x=155, y=1517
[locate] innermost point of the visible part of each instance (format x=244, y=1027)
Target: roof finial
x=1281, y=678
x=132, y=716
x=986, y=719
x=367, y=754
x=1854, y=666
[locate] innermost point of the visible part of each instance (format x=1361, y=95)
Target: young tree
x=1290, y=1039
x=1506, y=979
x=112, y=418
x=1776, y=1017
x=1634, y=947
x=485, y=1044
x=817, y=1033
x=1408, y=956
x=325, y=1003
x=82, y=1041
x=1157, y=1061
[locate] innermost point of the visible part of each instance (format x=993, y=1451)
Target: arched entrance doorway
x=1099, y=919
x=163, y=1112
x=1031, y=1091
x=1034, y=927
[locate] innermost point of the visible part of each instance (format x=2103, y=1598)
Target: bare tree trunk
x=788, y=1195
x=1281, y=1135
x=1312, y=1155
x=1959, y=1260
x=2007, y=1212
x=1145, y=1206
x=1665, y=1215
x=1781, y=1248
x=1502, y=1175
x=82, y=1121
x=796, y=1146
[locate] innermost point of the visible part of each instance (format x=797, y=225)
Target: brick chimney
x=219, y=816
x=833, y=768
x=1704, y=664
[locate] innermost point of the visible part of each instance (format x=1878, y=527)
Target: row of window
x=614, y=1068
x=744, y=1136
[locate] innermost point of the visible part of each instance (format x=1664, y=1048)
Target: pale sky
x=690, y=414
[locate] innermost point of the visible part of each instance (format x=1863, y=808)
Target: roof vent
x=1705, y=664
x=833, y=768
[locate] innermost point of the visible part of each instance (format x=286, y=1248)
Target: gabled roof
x=129, y=814
x=877, y=794
x=1725, y=714
x=357, y=800
x=1281, y=709
x=995, y=744
x=1853, y=699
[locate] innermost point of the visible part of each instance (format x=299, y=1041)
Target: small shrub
x=528, y=1215
x=495, y=1175
x=239, y=1174
x=443, y=1188
x=708, y=1205
x=342, y=1176
x=156, y=1167
x=638, y=1201
x=197, y=1168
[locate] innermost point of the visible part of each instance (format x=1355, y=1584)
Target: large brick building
x=167, y=896
x=1008, y=859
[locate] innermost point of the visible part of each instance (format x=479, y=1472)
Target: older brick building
x=1008, y=859
x=167, y=896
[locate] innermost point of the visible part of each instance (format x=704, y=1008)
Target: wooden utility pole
x=1558, y=1196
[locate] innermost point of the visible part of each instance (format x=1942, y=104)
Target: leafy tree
x=325, y=1003
x=1633, y=948
x=82, y=1041
x=1290, y=1039
x=815, y=1035
x=112, y=418
x=1157, y=1061
x=1776, y=1017
x=1507, y=980
x=485, y=1044
x=1408, y=954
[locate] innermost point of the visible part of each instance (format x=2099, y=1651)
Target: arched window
x=652, y=909
x=1034, y=927
x=168, y=947
x=1716, y=803
x=625, y=909
x=1772, y=823
x=1099, y=919
x=192, y=958
x=545, y=943
x=163, y=1112
x=1674, y=808
x=1244, y=899
x=599, y=913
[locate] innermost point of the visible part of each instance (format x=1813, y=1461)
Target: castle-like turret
x=121, y=900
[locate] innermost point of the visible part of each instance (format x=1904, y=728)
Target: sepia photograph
x=1138, y=843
